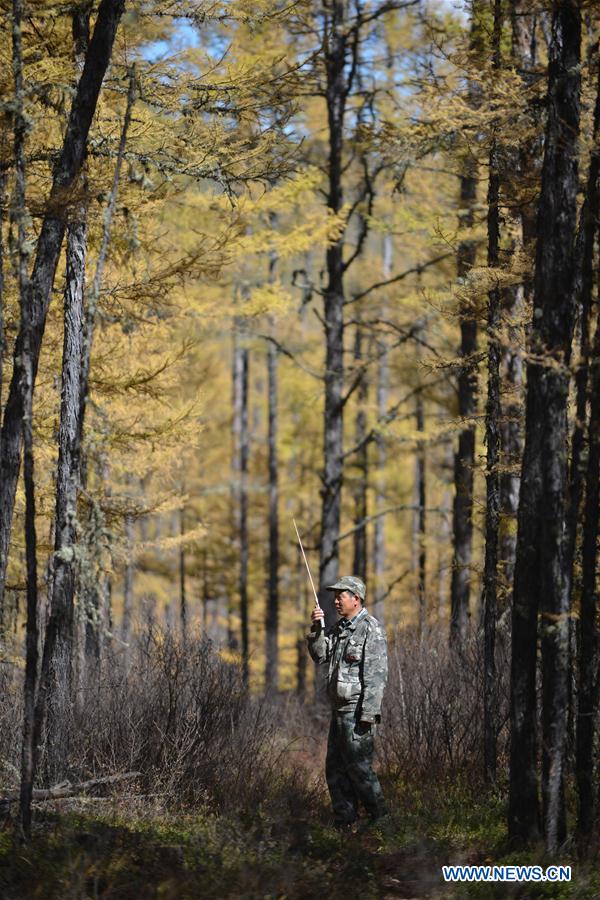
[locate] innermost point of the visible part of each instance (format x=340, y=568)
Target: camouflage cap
x=349, y=583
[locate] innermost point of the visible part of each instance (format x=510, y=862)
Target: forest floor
x=126, y=848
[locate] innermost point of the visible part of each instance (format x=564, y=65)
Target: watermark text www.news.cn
x=506, y=873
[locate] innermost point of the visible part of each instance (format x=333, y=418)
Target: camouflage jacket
x=356, y=657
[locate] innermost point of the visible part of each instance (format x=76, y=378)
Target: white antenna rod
x=317, y=604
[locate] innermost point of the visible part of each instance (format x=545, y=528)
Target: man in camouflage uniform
x=355, y=653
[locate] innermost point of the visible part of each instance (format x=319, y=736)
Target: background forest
x=329, y=261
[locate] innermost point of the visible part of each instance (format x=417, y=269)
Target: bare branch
x=401, y=507
x=414, y=270
x=390, y=416
x=285, y=352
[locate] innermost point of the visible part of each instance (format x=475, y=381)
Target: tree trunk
x=382, y=392
x=584, y=272
x=588, y=646
x=444, y=536
x=419, y=517
x=236, y=425
x=4, y=615
x=57, y=662
x=301, y=654
x=3, y=200
x=24, y=376
x=47, y=254
x=58, y=655
x=331, y=490
x=527, y=162
x=540, y=572
x=464, y=460
x=243, y=529
x=510, y=440
x=183, y=610
x=95, y=591
x=492, y=439
x=272, y=623
x=127, y=583
x=205, y=594
x=359, y=565
x=241, y=452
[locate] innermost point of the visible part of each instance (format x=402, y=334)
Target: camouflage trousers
x=349, y=770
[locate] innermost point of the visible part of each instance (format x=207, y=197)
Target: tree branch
x=401, y=507
x=414, y=270
x=285, y=352
x=389, y=416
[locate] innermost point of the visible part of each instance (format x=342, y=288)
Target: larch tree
x=464, y=460
x=541, y=579
x=341, y=30
x=47, y=251
x=492, y=440
x=587, y=389
x=24, y=372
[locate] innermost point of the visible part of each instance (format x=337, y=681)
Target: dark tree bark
x=31, y=660
x=183, y=610
x=444, y=567
x=526, y=163
x=236, y=428
x=588, y=617
x=272, y=623
x=303, y=595
x=492, y=439
x=243, y=513
x=344, y=32
x=4, y=617
x=511, y=442
x=540, y=574
x=24, y=375
x=205, y=592
x=464, y=460
x=584, y=278
x=58, y=656
x=419, y=517
x=94, y=591
x=2, y=305
x=382, y=392
x=359, y=565
x=462, y=521
x=241, y=438
x=58, y=649
x=127, y=582
x=47, y=254
x=337, y=89
x=583, y=296
x=63, y=566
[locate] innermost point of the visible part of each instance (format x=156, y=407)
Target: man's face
x=346, y=604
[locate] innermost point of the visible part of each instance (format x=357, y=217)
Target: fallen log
x=66, y=789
